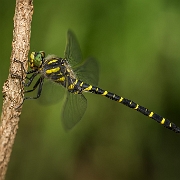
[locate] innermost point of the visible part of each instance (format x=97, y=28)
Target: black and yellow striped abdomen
x=80, y=86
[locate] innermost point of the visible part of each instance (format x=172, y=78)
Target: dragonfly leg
x=38, y=83
x=30, y=80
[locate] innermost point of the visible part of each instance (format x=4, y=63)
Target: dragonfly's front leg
x=39, y=83
x=30, y=79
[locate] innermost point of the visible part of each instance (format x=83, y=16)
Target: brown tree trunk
x=13, y=89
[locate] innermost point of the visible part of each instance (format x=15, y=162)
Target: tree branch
x=12, y=89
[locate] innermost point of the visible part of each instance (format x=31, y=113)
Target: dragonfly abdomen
x=165, y=122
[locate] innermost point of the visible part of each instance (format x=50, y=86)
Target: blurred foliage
x=137, y=47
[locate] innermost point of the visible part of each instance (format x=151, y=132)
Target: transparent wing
x=52, y=93
x=72, y=51
x=88, y=72
x=74, y=108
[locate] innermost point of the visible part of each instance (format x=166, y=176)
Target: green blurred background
x=137, y=45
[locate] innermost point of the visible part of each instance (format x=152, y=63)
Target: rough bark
x=13, y=89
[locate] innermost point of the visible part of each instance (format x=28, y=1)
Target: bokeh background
x=137, y=46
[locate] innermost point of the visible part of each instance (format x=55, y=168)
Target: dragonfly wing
x=88, y=72
x=72, y=52
x=52, y=93
x=74, y=108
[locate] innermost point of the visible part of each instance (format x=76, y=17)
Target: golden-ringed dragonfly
x=77, y=77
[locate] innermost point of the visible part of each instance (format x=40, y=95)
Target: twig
x=12, y=89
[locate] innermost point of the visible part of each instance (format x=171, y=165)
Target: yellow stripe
x=32, y=56
x=151, y=114
x=52, y=61
x=75, y=82
x=59, y=74
x=136, y=106
x=163, y=121
x=71, y=86
x=105, y=92
x=81, y=84
x=50, y=71
x=62, y=79
x=169, y=124
x=88, y=88
x=96, y=89
x=121, y=99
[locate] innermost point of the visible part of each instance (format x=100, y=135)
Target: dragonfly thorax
x=57, y=70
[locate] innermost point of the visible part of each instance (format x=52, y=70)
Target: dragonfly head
x=36, y=59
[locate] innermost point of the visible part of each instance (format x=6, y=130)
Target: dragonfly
x=77, y=77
